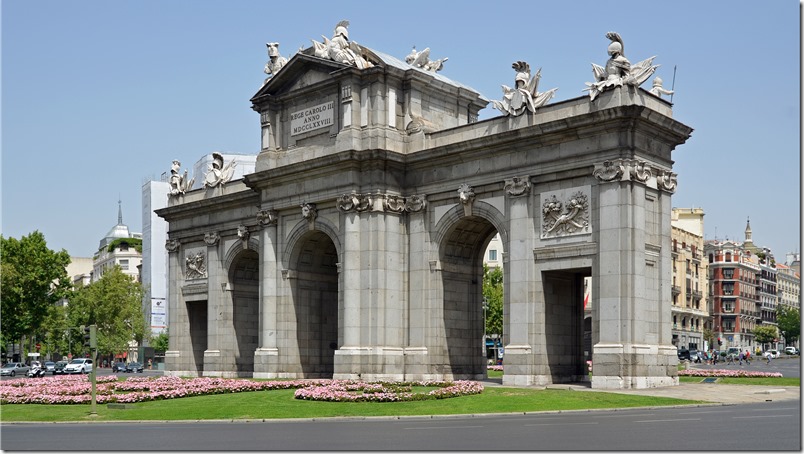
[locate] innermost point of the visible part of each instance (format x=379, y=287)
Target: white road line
x=443, y=427
x=762, y=416
x=562, y=424
x=670, y=420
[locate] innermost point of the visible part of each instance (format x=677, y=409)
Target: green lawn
x=281, y=404
x=761, y=381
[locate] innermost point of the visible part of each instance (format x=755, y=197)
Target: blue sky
x=99, y=96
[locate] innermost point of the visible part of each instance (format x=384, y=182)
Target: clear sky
x=100, y=96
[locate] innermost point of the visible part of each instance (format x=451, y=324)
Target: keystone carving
x=243, y=233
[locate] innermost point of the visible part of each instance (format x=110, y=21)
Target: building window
x=124, y=264
x=492, y=255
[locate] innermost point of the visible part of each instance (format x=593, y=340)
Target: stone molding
x=565, y=251
x=354, y=202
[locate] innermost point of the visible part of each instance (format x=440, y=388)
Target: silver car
x=12, y=369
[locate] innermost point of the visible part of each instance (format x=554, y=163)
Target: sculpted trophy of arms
x=618, y=70
x=524, y=95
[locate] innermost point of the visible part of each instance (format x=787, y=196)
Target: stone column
x=266, y=357
x=216, y=308
x=179, y=355
x=419, y=332
x=518, y=289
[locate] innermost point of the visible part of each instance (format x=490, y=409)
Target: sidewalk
x=709, y=392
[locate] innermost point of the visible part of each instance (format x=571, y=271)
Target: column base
x=634, y=366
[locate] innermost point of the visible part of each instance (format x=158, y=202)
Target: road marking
x=443, y=427
x=762, y=416
x=627, y=415
x=670, y=420
x=562, y=424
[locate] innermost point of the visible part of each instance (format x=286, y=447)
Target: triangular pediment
x=300, y=71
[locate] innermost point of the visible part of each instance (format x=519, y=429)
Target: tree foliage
x=114, y=304
x=789, y=320
x=160, y=342
x=34, y=277
x=765, y=333
x=493, y=294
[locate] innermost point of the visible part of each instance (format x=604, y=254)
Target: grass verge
x=280, y=404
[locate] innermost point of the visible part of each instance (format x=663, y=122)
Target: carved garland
x=267, y=217
x=636, y=170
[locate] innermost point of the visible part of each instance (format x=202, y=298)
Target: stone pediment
x=300, y=72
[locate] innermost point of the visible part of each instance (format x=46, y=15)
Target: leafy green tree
x=33, y=278
x=114, y=304
x=160, y=342
x=789, y=320
x=764, y=334
x=493, y=294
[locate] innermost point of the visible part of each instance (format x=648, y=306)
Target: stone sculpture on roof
x=422, y=60
x=618, y=71
x=218, y=174
x=340, y=49
x=275, y=61
x=179, y=184
x=658, y=89
x=524, y=95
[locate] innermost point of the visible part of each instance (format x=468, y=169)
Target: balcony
x=676, y=290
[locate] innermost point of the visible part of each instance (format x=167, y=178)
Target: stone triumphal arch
x=355, y=249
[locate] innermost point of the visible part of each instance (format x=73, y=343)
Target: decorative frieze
x=517, y=186
x=354, y=202
x=394, y=203
x=172, y=245
x=415, y=203
x=636, y=170
x=212, y=238
x=195, y=266
x=565, y=213
x=267, y=217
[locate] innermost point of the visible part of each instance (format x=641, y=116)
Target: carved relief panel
x=566, y=212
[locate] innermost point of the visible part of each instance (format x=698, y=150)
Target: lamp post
x=485, y=306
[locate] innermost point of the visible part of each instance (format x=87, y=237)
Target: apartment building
x=690, y=283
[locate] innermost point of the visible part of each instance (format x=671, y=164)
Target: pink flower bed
x=77, y=389
x=353, y=391
x=725, y=373
x=495, y=367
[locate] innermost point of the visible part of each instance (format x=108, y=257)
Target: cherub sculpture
x=618, y=70
x=340, y=49
x=658, y=89
x=178, y=183
x=422, y=60
x=219, y=174
x=275, y=61
x=524, y=95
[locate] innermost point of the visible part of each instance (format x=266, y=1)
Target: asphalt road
x=753, y=427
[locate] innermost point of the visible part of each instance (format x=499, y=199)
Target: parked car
x=79, y=366
x=791, y=351
x=772, y=353
x=58, y=368
x=119, y=367
x=134, y=367
x=694, y=355
x=683, y=354
x=13, y=369
x=50, y=366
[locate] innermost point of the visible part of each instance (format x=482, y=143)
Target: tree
x=493, y=294
x=709, y=337
x=764, y=334
x=160, y=342
x=789, y=320
x=114, y=304
x=34, y=277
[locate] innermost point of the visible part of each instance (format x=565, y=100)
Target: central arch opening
x=462, y=253
x=316, y=304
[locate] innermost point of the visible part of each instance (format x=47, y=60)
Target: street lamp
x=485, y=306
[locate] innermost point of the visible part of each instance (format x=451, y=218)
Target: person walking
x=741, y=358
x=730, y=357
x=747, y=357
x=768, y=355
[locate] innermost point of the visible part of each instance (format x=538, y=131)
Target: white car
x=791, y=350
x=78, y=366
x=772, y=353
